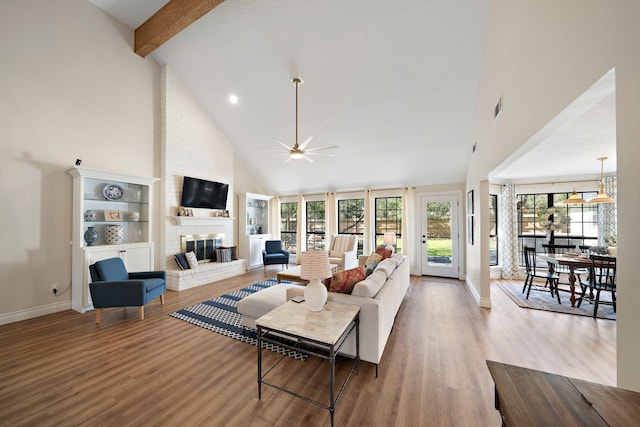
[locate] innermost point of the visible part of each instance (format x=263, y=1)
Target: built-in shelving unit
x=101, y=199
x=254, y=222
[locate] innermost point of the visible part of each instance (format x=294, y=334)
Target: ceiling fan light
x=296, y=155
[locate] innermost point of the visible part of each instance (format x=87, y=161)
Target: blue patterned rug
x=221, y=315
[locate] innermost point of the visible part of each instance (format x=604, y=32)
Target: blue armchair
x=274, y=254
x=113, y=286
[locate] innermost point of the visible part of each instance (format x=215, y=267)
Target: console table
x=526, y=397
x=315, y=333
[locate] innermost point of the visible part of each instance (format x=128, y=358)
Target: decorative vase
x=90, y=215
x=113, y=234
x=91, y=236
x=315, y=295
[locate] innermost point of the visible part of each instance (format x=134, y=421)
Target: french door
x=439, y=235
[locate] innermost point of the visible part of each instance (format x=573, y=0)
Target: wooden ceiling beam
x=172, y=18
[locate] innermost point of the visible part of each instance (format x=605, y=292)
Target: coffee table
x=315, y=333
x=293, y=274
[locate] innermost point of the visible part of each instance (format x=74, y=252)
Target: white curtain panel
x=331, y=214
x=607, y=212
x=367, y=246
x=509, y=239
x=408, y=226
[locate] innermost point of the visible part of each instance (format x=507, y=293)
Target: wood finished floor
x=63, y=370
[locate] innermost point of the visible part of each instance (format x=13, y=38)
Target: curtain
x=301, y=239
x=607, y=212
x=367, y=246
x=509, y=239
x=408, y=224
x=330, y=216
x=274, y=224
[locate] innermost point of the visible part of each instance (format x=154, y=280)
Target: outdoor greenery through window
x=351, y=219
x=289, y=225
x=389, y=219
x=544, y=218
x=493, y=229
x=316, y=226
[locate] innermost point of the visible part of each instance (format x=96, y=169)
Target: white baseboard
x=30, y=313
x=482, y=302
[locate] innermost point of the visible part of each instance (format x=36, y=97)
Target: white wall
x=540, y=56
x=192, y=145
x=70, y=87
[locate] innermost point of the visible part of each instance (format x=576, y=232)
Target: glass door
x=439, y=235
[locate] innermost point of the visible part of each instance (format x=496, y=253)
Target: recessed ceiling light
x=233, y=99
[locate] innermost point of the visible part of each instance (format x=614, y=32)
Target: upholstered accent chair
x=113, y=286
x=343, y=251
x=274, y=254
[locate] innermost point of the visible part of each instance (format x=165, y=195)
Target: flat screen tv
x=200, y=193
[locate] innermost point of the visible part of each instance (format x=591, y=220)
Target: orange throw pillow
x=384, y=252
x=344, y=281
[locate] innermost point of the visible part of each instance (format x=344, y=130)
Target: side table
x=315, y=333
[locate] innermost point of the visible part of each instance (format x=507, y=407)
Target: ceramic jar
x=91, y=236
x=90, y=215
x=134, y=216
x=114, y=234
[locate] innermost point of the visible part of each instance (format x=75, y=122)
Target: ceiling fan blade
x=288, y=159
x=307, y=158
x=322, y=148
x=313, y=153
x=305, y=143
x=284, y=145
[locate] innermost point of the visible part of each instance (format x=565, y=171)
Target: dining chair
x=551, y=279
x=602, y=277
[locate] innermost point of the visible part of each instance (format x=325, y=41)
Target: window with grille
x=316, y=226
x=289, y=226
x=351, y=219
x=388, y=219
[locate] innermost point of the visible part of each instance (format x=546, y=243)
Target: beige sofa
x=379, y=297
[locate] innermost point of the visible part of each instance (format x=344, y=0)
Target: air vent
x=497, y=108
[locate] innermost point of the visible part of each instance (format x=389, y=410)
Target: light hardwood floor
x=63, y=370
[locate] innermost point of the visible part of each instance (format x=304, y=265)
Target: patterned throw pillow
x=192, y=260
x=181, y=260
x=386, y=253
x=344, y=281
x=374, y=257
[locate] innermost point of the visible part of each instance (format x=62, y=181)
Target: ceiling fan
x=300, y=151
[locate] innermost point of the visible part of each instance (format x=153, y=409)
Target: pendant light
x=574, y=199
x=602, y=196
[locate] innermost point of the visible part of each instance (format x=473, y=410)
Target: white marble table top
x=325, y=326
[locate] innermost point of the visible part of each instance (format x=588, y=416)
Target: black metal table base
x=307, y=346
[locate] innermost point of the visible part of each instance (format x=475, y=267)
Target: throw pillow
x=368, y=268
x=344, y=281
x=374, y=257
x=181, y=260
x=192, y=260
x=384, y=252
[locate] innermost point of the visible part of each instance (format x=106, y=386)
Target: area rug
x=221, y=315
x=541, y=299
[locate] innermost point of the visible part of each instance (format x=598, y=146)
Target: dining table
x=573, y=262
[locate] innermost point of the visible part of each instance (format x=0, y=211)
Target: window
x=493, y=229
x=543, y=218
x=389, y=219
x=289, y=226
x=315, y=226
x=351, y=219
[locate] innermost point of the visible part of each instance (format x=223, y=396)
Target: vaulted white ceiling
x=393, y=84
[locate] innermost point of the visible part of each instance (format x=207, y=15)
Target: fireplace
x=203, y=245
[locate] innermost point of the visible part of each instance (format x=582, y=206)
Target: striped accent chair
x=343, y=251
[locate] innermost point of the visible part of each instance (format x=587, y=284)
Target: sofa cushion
x=344, y=281
x=384, y=252
x=192, y=260
x=386, y=266
x=181, y=260
x=370, y=286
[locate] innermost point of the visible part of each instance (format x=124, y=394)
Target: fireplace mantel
x=202, y=220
